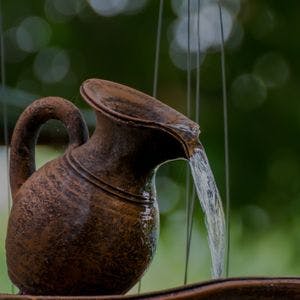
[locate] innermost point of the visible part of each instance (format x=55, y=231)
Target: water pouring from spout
x=211, y=204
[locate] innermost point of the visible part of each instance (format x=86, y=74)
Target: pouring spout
x=188, y=136
x=134, y=108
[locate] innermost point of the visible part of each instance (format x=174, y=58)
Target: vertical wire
x=4, y=105
x=187, y=179
x=4, y=114
x=197, y=119
x=155, y=75
x=157, y=50
x=197, y=100
x=3, y=84
x=188, y=62
x=226, y=144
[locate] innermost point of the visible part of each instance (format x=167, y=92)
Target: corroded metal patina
x=86, y=223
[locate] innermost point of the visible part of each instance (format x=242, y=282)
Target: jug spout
x=134, y=134
x=136, y=108
x=187, y=135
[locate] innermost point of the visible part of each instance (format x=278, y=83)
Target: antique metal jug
x=86, y=223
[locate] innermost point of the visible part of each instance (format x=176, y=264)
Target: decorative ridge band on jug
x=82, y=171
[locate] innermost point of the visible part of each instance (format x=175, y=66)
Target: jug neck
x=125, y=155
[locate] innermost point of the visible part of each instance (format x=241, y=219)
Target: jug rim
x=130, y=95
x=136, y=108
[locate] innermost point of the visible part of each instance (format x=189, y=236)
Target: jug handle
x=22, y=152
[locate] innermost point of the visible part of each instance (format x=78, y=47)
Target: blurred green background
x=51, y=46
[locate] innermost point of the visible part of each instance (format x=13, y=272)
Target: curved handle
x=22, y=153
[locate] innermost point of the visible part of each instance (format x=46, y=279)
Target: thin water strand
x=189, y=230
x=4, y=114
x=188, y=61
x=4, y=107
x=191, y=201
x=197, y=98
x=155, y=76
x=157, y=48
x=197, y=107
x=226, y=145
x=211, y=204
x=188, y=111
x=3, y=83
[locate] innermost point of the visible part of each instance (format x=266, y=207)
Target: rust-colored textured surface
x=227, y=289
x=86, y=223
x=22, y=152
x=66, y=236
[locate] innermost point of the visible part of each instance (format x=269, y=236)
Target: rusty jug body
x=87, y=222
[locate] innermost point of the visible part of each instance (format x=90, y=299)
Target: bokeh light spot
x=236, y=36
x=272, y=69
x=68, y=7
x=108, y=7
x=169, y=194
x=53, y=14
x=263, y=23
x=51, y=65
x=178, y=57
x=180, y=7
x=13, y=54
x=248, y=92
x=284, y=172
x=134, y=6
x=209, y=27
x=255, y=217
x=33, y=34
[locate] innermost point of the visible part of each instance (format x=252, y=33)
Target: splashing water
x=211, y=204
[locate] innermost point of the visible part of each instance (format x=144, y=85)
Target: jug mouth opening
x=122, y=101
x=137, y=108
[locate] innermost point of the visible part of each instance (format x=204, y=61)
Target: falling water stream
x=211, y=204
x=208, y=194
